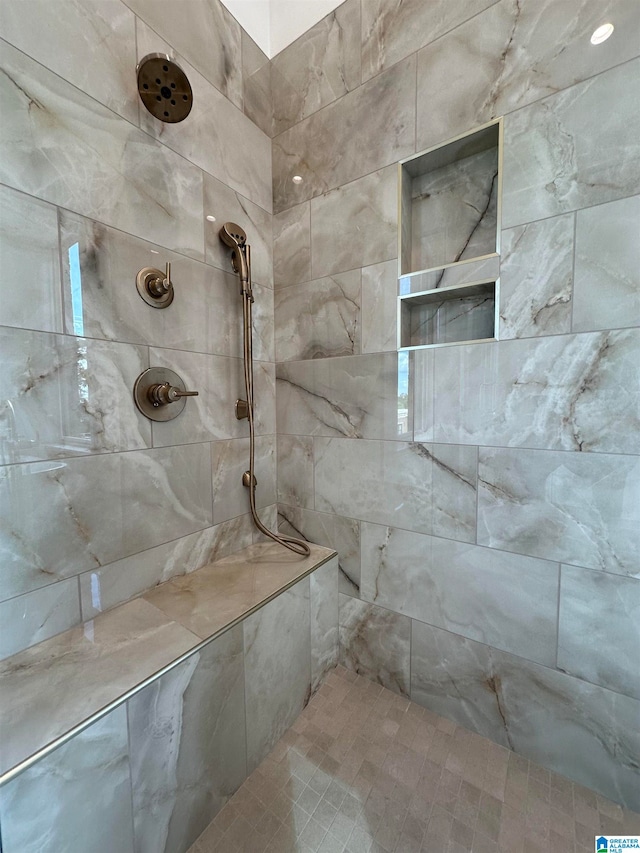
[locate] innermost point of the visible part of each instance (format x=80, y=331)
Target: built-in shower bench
x=56, y=689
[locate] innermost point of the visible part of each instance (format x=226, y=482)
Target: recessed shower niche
x=449, y=226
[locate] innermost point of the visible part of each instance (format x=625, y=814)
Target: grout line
x=573, y=267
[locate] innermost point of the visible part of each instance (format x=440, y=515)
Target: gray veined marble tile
x=77, y=798
x=206, y=33
x=117, y=582
x=319, y=319
x=263, y=324
x=324, y=621
x=577, y=508
x=505, y=600
x=558, y=157
x=30, y=281
x=268, y=515
x=292, y=245
x=68, y=397
x=574, y=728
x=536, y=275
x=422, y=398
x=606, y=290
x=91, y=45
x=230, y=459
x=463, y=272
x=295, y=470
x=365, y=130
x=568, y=392
x=355, y=225
x=599, y=629
x=428, y=488
x=392, y=30
x=188, y=746
x=60, y=144
x=216, y=135
x=512, y=54
x=379, y=307
x=265, y=398
x=66, y=517
x=99, y=266
x=277, y=643
x=375, y=642
x=227, y=205
x=318, y=68
x=38, y=615
x=331, y=531
x=355, y=397
x=256, y=85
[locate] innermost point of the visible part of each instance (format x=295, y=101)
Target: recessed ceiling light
x=211, y=218
x=601, y=34
x=297, y=179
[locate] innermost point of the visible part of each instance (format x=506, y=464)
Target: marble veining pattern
x=257, y=92
x=375, y=642
x=295, y=470
x=577, y=508
x=453, y=586
x=464, y=272
x=379, y=306
x=567, y=392
x=229, y=461
x=292, y=245
x=323, y=603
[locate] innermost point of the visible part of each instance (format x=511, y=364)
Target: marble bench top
x=56, y=688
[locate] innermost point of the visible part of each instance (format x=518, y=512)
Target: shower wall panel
x=484, y=498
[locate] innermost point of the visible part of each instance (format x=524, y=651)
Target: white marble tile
x=375, y=642
x=332, y=531
x=117, y=582
x=188, y=746
x=428, y=488
x=295, y=470
x=606, y=290
x=391, y=31
x=536, y=276
x=355, y=225
x=324, y=621
x=66, y=517
x=38, y=615
x=263, y=324
x=30, y=281
x=446, y=320
x=99, y=267
x=505, y=600
x=379, y=307
x=257, y=100
x=264, y=398
x=514, y=53
x=318, y=68
x=227, y=205
x=577, y=508
x=61, y=145
x=77, y=798
x=277, y=643
x=68, y=397
x=319, y=319
x=355, y=397
x=216, y=135
x=206, y=33
x=557, y=158
x=230, y=459
x=91, y=45
x=567, y=725
x=566, y=392
x=268, y=515
x=367, y=129
x=292, y=245
x=464, y=272
x=599, y=629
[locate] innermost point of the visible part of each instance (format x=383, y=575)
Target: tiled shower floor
x=364, y=770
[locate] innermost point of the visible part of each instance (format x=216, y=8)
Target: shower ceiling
x=273, y=24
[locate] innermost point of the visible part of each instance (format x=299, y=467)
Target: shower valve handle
x=164, y=393
x=159, y=287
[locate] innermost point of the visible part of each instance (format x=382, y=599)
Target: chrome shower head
x=234, y=236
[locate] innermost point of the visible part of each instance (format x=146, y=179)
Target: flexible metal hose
x=295, y=545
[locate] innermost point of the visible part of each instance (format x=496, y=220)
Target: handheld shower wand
x=234, y=236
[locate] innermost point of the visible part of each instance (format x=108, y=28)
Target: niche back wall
x=489, y=536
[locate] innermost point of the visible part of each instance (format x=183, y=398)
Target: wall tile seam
x=562, y=672
x=328, y=358
x=138, y=128
x=127, y=711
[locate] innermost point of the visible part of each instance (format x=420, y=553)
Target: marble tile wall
x=98, y=504
x=483, y=498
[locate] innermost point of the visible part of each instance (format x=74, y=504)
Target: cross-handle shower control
x=160, y=395
x=155, y=286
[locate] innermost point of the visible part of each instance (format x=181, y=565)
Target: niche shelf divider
x=449, y=200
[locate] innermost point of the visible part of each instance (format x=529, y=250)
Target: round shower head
x=164, y=88
x=233, y=235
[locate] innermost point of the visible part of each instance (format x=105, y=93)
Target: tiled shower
x=484, y=498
